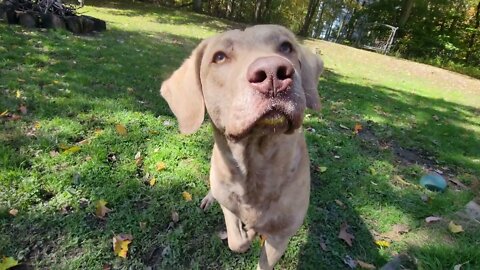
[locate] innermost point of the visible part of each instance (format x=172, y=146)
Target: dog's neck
x=257, y=152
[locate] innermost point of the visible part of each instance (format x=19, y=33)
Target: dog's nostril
x=282, y=73
x=258, y=77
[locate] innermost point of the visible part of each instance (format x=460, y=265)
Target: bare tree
x=406, y=10
x=312, y=8
x=473, y=35
x=197, y=5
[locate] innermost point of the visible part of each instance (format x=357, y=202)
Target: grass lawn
x=67, y=150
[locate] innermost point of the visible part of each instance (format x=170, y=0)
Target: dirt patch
x=409, y=157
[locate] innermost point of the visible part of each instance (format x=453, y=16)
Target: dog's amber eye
x=286, y=47
x=219, y=57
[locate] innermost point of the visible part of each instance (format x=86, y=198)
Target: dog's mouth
x=273, y=121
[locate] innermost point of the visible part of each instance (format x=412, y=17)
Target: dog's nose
x=270, y=75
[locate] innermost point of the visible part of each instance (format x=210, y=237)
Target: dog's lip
x=273, y=120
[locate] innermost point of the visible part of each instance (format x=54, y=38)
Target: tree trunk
x=471, y=41
x=406, y=10
x=312, y=8
x=340, y=29
x=229, y=9
x=258, y=10
x=197, y=5
x=266, y=10
x=318, y=26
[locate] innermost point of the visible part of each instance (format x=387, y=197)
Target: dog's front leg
x=207, y=201
x=272, y=251
x=239, y=240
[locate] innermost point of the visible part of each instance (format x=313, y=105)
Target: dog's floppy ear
x=183, y=92
x=311, y=68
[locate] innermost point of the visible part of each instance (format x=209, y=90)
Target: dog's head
x=260, y=79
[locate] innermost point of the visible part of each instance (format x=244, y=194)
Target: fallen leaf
x=340, y=203
x=175, y=217
x=85, y=141
x=400, y=228
x=101, y=209
x=345, y=235
x=432, y=219
x=382, y=243
x=18, y=94
x=358, y=127
x=63, y=146
x=139, y=161
x=106, y=267
x=7, y=262
x=152, y=181
x=160, y=166
x=15, y=117
x=13, y=212
x=54, y=153
x=72, y=149
x=350, y=262
x=365, y=265
x=120, y=244
x=4, y=113
x=322, y=169
x=222, y=235
x=425, y=198
x=343, y=126
x=454, y=228
x=23, y=109
x=121, y=129
x=187, y=196
x=262, y=240
x=323, y=246
x=459, y=266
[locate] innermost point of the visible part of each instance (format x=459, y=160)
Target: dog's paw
x=207, y=201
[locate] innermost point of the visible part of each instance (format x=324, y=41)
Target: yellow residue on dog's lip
x=273, y=121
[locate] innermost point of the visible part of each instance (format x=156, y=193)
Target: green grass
x=79, y=88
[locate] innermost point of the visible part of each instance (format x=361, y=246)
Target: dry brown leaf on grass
x=432, y=219
x=13, y=212
x=340, y=203
x=365, y=265
x=120, y=244
x=358, y=127
x=382, y=243
x=187, y=196
x=121, y=129
x=23, y=109
x=455, y=228
x=160, y=166
x=323, y=246
x=175, y=216
x=345, y=235
x=138, y=159
x=101, y=210
x=152, y=181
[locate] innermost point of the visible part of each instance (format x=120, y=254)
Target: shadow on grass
x=361, y=173
x=75, y=85
x=165, y=15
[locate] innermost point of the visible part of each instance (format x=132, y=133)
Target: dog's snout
x=270, y=75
